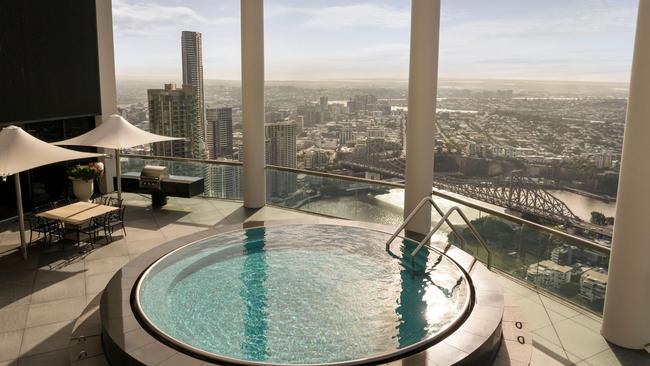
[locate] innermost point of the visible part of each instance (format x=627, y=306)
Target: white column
x=107, y=85
x=626, y=320
x=420, y=127
x=252, y=69
x=21, y=215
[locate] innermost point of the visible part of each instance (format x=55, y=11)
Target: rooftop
x=548, y=265
x=50, y=299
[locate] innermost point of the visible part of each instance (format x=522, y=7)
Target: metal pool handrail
x=444, y=219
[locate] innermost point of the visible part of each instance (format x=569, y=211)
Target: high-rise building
x=362, y=103
x=376, y=133
x=173, y=112
x=192, y=55
x=346, y=134
x=225, y=181
x=281, y=144
x=220, y=142
x=210, y=119
x=324, y=110
x=310, y=114
x=300, y=122
x=281, y=151
x=604, y=160
x=316, y=159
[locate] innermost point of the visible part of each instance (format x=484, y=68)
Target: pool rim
x=126, y=342
x=381, y=358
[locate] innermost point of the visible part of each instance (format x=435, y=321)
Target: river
x=582, y=206
x=388, y=208
x=385, y=209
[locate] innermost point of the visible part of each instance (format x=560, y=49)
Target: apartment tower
x=192, y=55
x=281, y=151
x=219, y=122
x=173, y=112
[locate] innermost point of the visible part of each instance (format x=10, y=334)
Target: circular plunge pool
x=302, y=294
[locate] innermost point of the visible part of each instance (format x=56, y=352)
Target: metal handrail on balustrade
x=183, y=160
x=518, y=220
x=445, y=219
x=454, y=198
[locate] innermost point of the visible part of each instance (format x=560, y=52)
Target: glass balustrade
x=570, y=267
x=221, y=180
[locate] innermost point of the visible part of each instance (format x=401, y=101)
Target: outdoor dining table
x=77, y=213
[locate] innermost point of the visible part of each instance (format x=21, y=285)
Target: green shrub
x=91, y=171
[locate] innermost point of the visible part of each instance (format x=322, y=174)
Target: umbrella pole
x=21, y=218
x=118, y=171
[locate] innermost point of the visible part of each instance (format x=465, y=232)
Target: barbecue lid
x=154, y=171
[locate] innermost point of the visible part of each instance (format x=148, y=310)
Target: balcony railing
x=546, y=258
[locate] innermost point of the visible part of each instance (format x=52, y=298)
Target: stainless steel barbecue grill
x=156, y=181
x=152, y=176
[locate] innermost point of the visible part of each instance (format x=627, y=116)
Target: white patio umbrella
x=116, y=133
x=20, y=151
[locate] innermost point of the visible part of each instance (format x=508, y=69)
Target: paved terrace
x=50, y=299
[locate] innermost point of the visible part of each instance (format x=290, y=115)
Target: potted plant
x=82, y=177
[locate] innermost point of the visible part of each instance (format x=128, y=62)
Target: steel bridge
x=516, y=193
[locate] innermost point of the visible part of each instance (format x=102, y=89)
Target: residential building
x=316, y=159
x=324, y=109
x=563, y=254
x=593, y=284
x=192, y=55
x=220, y=137
x=281, y=144
x=281, y=151
x=346, y=134
x=548, y=274
x=225, y=182
x=604, y=160
x=173, y=112
x=376, y=133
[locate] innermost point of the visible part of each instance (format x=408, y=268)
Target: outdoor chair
x=37, y=225
x=91, y=229
x=42, y=226
x=61, y=202
x=44, y=207
x=99, y=199
x=55, y=229
x=115, y=202
x=115, y=219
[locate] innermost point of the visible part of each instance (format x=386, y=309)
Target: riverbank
x=601, y=197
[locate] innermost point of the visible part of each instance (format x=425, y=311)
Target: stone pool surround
x=127, y=340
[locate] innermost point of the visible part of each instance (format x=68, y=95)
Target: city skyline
x=369, y=40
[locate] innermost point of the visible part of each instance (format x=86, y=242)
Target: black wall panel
x=48, y=60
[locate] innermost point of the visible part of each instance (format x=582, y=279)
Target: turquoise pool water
x=302, y=294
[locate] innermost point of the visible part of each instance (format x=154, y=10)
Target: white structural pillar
x=420, y=126
x=252, y=90
x=107, y=85
x=626, y=319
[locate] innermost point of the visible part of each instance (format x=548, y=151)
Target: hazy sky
x=349, y=39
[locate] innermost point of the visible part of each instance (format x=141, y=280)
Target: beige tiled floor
x=564, y=335
x=51, y=298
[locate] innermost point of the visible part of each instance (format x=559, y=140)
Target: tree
x=597, y=218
